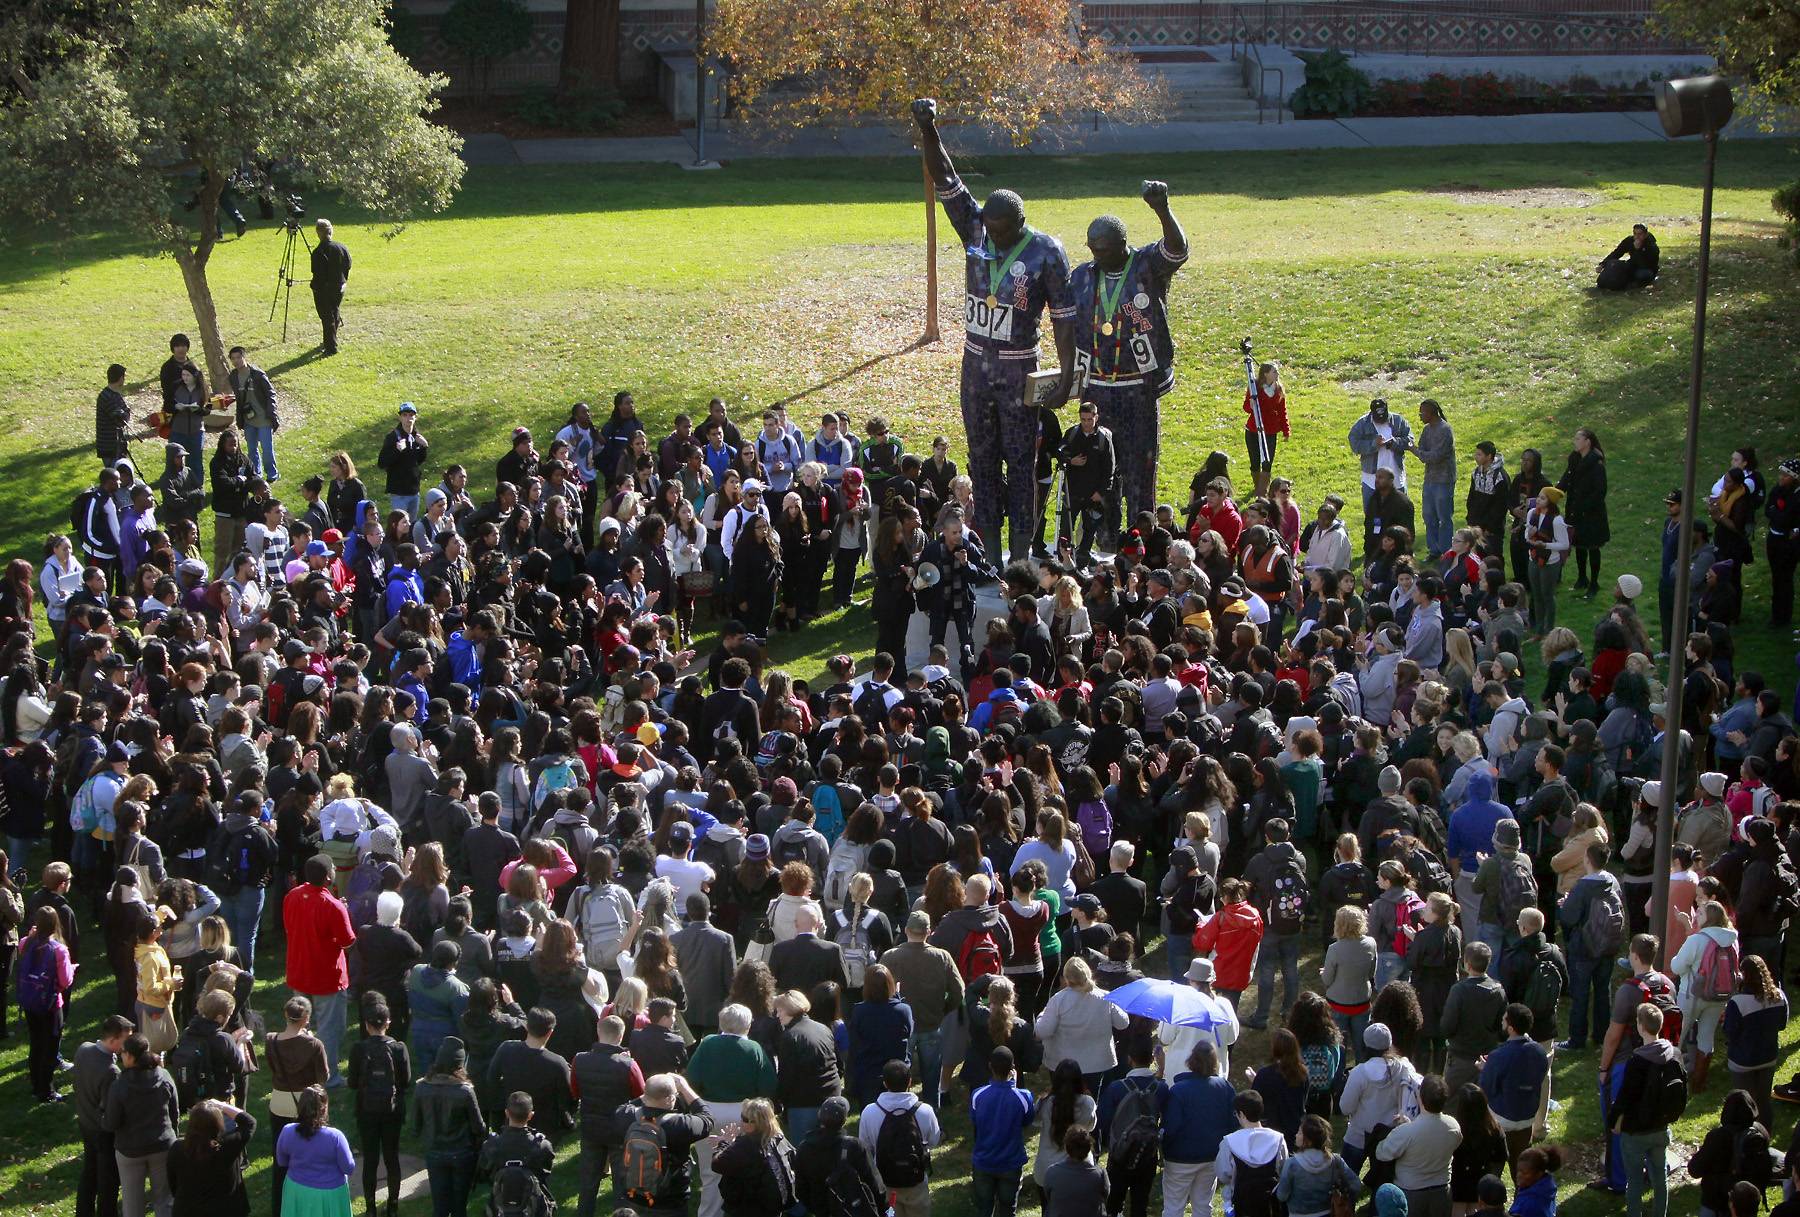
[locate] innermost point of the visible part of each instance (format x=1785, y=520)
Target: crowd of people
x=542, y=872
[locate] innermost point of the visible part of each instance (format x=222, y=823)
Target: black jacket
x=170, y=378
x=212, y=1184
x=756, y=1179
x=1098, y=474
x=330, y=269
x=806, y=1064
x=400, y=1063
x=142, y=1111
x=803, y=961
x=1584, y=510
x=403, y=464
x=541, y=1074
x=230, y=481
x=605, y=1078
x=526, y=1146
x=818, y=1156
x=445, y=1116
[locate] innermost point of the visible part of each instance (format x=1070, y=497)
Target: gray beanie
x=1506, y=834
x=1389, y=781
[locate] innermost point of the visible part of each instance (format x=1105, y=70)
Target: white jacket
x=1685, y=967
x=1373, y=1094
x=1079, y=1027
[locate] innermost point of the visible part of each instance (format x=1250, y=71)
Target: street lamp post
x=1700, y=105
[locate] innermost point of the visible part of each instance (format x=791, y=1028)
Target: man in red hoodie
x=1231, y=937
x=318, y=933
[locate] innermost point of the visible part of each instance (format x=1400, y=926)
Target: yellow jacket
x=155, y=978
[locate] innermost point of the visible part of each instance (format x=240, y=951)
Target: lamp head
x=1698, y=105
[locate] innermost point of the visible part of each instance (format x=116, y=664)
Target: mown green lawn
x=1364, y=272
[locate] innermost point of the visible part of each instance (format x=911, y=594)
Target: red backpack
x=979, y=956
x=1406, y=915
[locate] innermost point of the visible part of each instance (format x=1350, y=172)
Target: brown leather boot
x=1702, y=1063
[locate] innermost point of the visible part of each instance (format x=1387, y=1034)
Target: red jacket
x=318, y=934
x=1608, y=663
x=1274, y=414
x=1225, y=521
x=1231, y=937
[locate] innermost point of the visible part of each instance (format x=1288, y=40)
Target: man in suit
x=707, y=957
x=806, y=959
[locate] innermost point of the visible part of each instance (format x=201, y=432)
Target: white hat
x=752, y=484
x=1651, y=794
x=1630, y=586
x=1201, y=970
x=1714, y=784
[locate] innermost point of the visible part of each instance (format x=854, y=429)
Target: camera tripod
x=284, y=274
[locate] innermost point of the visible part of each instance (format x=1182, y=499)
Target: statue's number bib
x=1142, y=353
x=986, y=320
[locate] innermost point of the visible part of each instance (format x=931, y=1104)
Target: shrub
x=1333, y=86
x=1440, y=94
x=486, y=31
x=582, y=110
x=1391, y=97
x=404, y=34
x=1486, y=93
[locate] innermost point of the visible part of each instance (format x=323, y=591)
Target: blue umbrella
x=1166, y=1001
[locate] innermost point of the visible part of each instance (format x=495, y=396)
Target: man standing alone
x=330, y=272
x=403, y=455
x=256, y=412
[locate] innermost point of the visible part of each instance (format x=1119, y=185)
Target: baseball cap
x=317, y=549
x=406, y=407
x=332, y=536
x=293, y=648
x=650, y=733
x=1088, y=903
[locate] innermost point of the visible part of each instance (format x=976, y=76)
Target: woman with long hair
x=1483, y=1147
x=1584, y=482
x=1313, y=1177
x=296, y=1060
x=46, y=976
x=756, y=570
x=655, y=965
x=1547, y=543
x=881, y=1027
x=1754, y=1019
x=756, y=1168
x=1059, y=1110
x=317, y=1160
x=206, y=1167
x=1284, y=1085
x=893, y=602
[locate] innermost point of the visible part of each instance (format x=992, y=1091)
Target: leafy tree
x=1759, y=42
x=486, y=31
x=1015, y=67
x=133, y=120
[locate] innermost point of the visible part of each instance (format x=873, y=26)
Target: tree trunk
x=206, y=317
x=931, y=252
x=590, y=54
x=193, y=259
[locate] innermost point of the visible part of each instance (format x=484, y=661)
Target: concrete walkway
x=1269, y=136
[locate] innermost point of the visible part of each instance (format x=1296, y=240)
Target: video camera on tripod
x=284, y=274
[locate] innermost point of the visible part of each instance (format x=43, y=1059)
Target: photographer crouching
x=330, y=272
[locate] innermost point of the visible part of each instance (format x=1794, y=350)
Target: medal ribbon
x=997, y=274
x=1109, y=304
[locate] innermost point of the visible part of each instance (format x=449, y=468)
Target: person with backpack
x=1652, y=1095
x=206, y=1061
x=142, y=1110
x=605, y=916
x=1593, y=921
x=1281, y=894
x=863, y=933
x=1130, y=1120
x=380, y=1075
x=834, y=1172
x=603, y=1078
x=46, y=976
x=446, y=1118
x=1645, y=985
x=656, y=1136
x=1471, y=1020
x=1754, y=1020
x=1422, y=1147
x=901, y=1132
x=244, y=856
x=1373, y=1095
x=1768, y=896
x=1707, y=968
x=517, y=1159
x=1394, y=918
x=1505, y=884
x=1536, y=973
x=1736, y=1148
x=1249, y=1163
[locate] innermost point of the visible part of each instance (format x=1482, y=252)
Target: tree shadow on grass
x=851, y=373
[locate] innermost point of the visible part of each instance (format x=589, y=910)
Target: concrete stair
x=1205, y=92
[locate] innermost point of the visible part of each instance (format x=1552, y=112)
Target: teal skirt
x=298, y=1200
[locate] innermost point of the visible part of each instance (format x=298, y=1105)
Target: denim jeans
x=1181, y=954
x=261, y=442
x=1646, y=1166
x=1590, y=998
x=409, y=503
x=928, y=1058
x=1277, y=951
x=18, y=852
x=451, y=1175
x=243, y=914
x=1351, y=1026
x=995, y=1195
x=800, y=1123
x=1440, y=523
x=1493, y=935
x=1388, y=966
x=328, y=1024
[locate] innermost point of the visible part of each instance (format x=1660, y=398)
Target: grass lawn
x=1367, y=272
